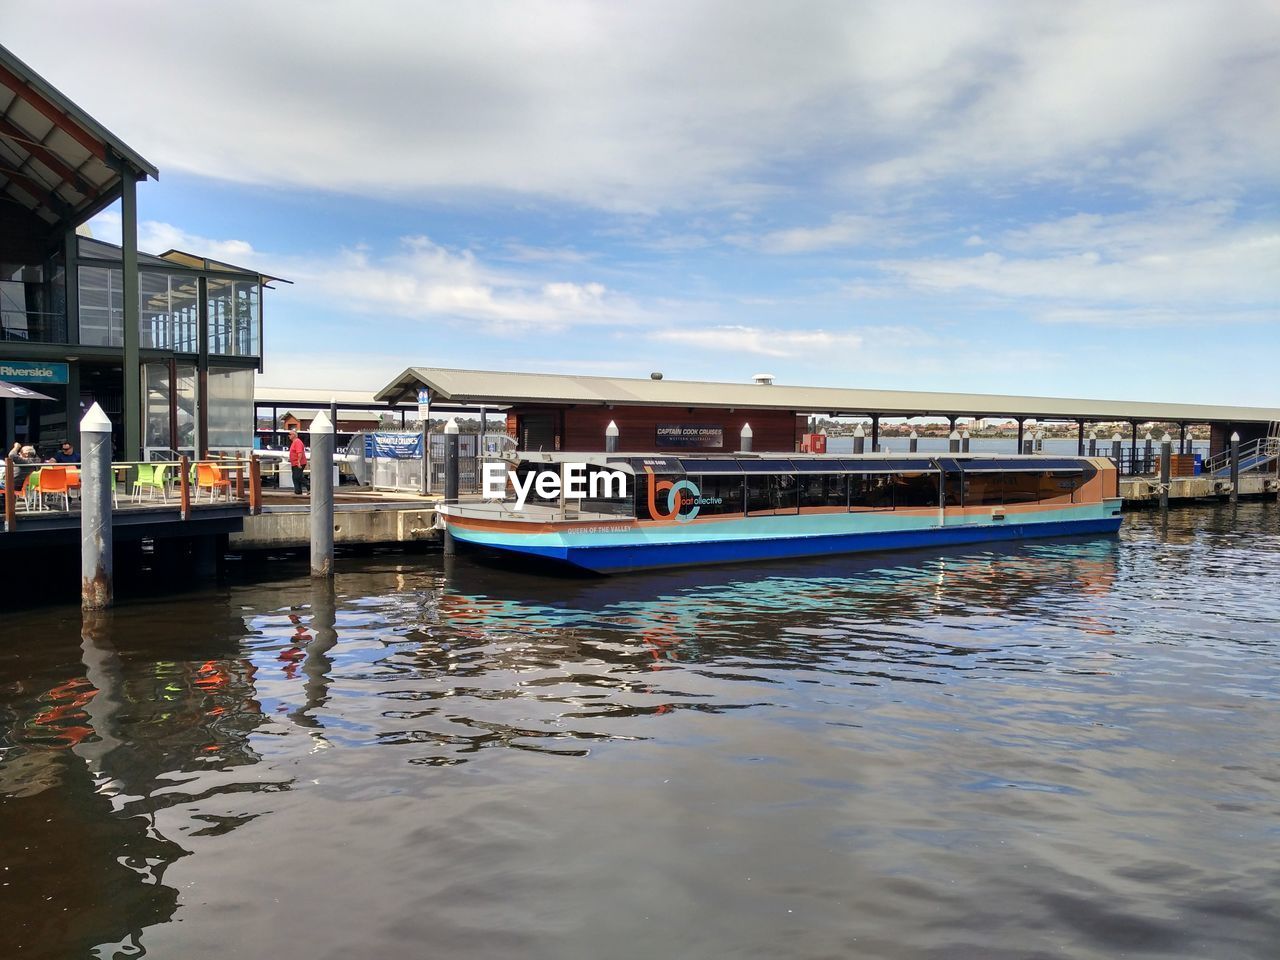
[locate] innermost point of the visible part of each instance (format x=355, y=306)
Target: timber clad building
x=167, y=345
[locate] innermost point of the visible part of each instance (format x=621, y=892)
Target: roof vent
x=764, y=379
x=656, y=375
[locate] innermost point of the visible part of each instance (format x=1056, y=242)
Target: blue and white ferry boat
x=663, y=511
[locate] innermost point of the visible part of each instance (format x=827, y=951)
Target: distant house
x=300, y=420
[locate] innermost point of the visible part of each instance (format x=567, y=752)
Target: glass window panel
x=983, y=490
x=230, y=410
x=823, y=490
x=157, y=404
x=719, y=494
x=153, y=299
x=915, y=490
x=871, y=491
x=101, y=306
x=186, y=389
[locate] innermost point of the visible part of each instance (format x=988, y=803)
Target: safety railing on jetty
x=184, y=484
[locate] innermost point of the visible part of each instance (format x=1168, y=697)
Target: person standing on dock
x=297, y=459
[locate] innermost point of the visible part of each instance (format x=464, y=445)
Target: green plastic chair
x=143, y=480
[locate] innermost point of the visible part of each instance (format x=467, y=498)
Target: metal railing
x=1256, y=456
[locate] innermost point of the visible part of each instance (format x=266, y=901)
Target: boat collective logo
x=682, y=501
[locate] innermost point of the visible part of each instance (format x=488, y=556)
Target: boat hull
x=641, y=547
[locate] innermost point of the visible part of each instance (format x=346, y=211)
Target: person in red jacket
x=297, y=460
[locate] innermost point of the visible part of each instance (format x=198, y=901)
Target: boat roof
x=764, y=462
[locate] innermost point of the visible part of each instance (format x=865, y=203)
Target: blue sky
x=1072, y=199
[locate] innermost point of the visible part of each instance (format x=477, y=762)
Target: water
x=1056, y=749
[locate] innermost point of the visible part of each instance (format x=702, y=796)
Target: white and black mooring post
x=322, y=496
x=1117, y=447
x=859, y=440
x=1093, y=443
x=744, y=439
x=1148, y=460
x=913, y=442
x=1235, y=467
x=450, y=476
x=964, y=441
x=1166, y=469
x=96, y=574
x=953, y=442
x=611, y=438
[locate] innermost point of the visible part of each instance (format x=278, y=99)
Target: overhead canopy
x=492, y=387
x=58, y=166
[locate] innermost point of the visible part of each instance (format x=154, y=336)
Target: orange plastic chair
x=209, y=477
x=53, y=483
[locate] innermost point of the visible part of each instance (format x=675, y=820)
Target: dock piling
x=96, y=572
x=450, y=476
x=744, y=438
x=859, y=440
x=1147, y=458
x=1117, y=447
x=1235, y=467
x=953, y=442
x=914, y=443
x=611, y=438
x=10, y=497
x=322, y=496
x=1093, y=443
x=1166, y=469
x=964, y=441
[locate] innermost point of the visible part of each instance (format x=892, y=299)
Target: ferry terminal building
x=167, y=345
x=561, y=412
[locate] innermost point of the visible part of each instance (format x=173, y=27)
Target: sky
x=1053, y=198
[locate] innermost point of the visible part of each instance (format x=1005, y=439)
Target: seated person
x=66, y=454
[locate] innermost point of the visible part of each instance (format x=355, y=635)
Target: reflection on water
x=1064, y=748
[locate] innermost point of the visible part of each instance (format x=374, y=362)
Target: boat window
x=915, y=489
x=766, y=466
x=771, y=493
x=1036, y=487
x=816, y=466
x=718, y=494
x=824, y=490
x=871, y=491
x=983, y=489
x=885, y=465
x=953, y=489
x=614, y=489
x=711, y=466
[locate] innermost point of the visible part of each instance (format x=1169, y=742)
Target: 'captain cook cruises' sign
x=30, y=371
x=689, y=436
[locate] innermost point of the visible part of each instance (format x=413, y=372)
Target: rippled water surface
x=1057, y=749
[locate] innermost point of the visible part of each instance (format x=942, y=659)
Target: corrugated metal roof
x=498, y=387
x=59, y=163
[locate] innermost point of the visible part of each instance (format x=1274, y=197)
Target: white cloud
x=762, y=342
x=420, y=279
x=640, y=106
x=1167, y=262
x=844, y=230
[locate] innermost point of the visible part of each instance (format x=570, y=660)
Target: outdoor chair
x=209, y=477
x=53, y=483
x=152, y=479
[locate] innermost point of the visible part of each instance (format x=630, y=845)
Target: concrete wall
x=279, y=530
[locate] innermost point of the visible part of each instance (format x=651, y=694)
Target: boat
x=613, y=513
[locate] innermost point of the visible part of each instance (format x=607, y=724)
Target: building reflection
x=92, y=755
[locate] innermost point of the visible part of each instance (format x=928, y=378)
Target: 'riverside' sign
x=30, y=371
